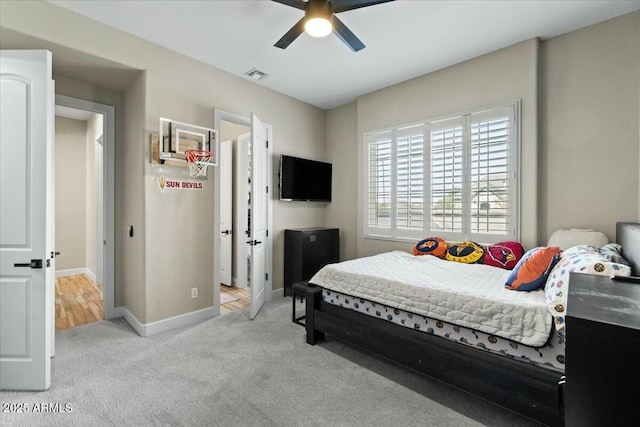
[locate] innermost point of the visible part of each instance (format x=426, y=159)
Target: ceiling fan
x=320, y=19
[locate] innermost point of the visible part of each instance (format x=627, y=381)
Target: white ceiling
x=404, y=38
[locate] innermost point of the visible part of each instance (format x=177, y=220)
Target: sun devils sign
x=178, y=185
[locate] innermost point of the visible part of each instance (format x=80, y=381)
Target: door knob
x=35, y=263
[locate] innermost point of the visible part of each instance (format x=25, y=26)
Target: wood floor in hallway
x=243, y=295
x=78, y=301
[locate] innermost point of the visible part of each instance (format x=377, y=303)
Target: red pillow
x=504, y=255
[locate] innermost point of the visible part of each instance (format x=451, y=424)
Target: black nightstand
x=602, y=352
x=298, y=291
x=307, y=250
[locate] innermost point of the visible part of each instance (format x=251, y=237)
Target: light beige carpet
x=230, y=371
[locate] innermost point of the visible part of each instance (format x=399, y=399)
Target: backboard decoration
x=175, y=138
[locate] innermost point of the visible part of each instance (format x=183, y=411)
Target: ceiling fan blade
x=291, y=35
x=298, y=4
x=344, y=5
x=346, y=35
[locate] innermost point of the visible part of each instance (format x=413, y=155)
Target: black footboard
x=521, y=387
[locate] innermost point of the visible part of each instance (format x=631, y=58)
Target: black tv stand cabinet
x=307, y=250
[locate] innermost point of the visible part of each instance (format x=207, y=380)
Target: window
x=454, y=178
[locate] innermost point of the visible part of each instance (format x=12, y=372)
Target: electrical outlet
x=194, y=292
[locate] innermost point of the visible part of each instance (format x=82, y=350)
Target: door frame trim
x=218, y=116
x=108, y=205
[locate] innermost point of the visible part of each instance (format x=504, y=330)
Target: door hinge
x=267, y=233
x=266, y=276
x=267, y=143
x=267, y=189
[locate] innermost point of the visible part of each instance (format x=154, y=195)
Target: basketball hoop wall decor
x=188, y=144
x=198, y=161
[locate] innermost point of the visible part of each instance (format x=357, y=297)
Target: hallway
x=78, y=301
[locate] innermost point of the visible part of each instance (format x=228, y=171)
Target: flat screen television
x=303, y=179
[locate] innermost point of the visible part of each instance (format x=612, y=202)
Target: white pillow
x=567, y=238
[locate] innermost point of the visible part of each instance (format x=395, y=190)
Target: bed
x=516, y=365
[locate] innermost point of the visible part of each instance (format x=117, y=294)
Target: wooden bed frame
x=522, y=387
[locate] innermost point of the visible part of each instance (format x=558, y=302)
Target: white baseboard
x=131, y=320
x=277, y=293
x=75, y=272
x=91, y=275
x=178, y=321
x=148, y=329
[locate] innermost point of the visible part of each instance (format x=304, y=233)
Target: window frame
x=467, y=118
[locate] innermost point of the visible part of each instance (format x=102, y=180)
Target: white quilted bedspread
x=470, y=295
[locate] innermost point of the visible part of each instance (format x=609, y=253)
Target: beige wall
x=70, y=140
x=131, y=251
x=498, y=77
x=590, y=127
x=179, y=225
x=153, y=280
x=342, y=152
x=230, y=131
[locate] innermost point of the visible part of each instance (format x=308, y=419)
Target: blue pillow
x=533, y=269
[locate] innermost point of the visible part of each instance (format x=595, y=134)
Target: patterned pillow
x=504, y=255
x=613, y=252
x=533, y=269
x=431, y=246
x=579, y=250
x=466, y=252
x=556, y=290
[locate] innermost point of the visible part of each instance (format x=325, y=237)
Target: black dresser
x=602, y=352
x=307, y=250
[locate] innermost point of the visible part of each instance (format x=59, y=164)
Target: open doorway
x=250, y=213
x=234, y=218
x=78, y=148
x=84, y=267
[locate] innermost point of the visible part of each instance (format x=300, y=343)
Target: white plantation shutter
x=491, y=175
x=379, y=183
x=446, y=177
x=409, y=206
x=454, y=178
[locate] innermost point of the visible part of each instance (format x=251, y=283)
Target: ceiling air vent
x=256, y=74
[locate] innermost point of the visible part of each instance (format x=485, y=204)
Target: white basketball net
x=198, y=161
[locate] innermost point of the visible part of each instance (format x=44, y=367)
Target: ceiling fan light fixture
x=318, y=18
x=318, y=27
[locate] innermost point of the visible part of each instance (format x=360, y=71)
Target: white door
x=26, y=167
x=99, y=189
x=226, y=211
x=258, y=212
x=241, y=213
x=51, y=218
